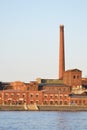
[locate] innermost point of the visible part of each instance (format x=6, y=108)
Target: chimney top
x=61, y=25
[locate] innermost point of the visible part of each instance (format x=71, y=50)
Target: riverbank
x=62, y=108
x=12, y=108
x=42, y=108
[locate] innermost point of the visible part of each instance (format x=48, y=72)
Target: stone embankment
x=19, y=107
x=62, y=108
x=41, y=108
x=12, y=108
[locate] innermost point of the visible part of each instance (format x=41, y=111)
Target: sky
x=29, y=38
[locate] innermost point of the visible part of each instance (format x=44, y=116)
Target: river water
x=43, y=120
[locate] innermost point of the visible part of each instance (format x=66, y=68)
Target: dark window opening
x=74, y=76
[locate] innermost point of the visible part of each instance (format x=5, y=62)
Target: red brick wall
x=20, y=97
x=78, y=101
x=73, y=78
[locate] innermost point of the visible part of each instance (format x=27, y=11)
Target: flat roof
x=78, y=96
x=51, y=85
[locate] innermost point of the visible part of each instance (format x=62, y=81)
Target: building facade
x=69, y=89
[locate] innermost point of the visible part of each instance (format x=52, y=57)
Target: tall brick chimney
x=61, y=53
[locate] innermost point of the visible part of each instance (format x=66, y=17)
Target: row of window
x=9, y=102
x=76, y=77
x=56, y=103
x=51, y=102
x=14, y=94
x=56, y=96
x=32, y=95
x=18, y=95
x=6, y=96
x=78, y=102
x=58, y=89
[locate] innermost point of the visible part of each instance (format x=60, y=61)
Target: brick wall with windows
x=73, y=78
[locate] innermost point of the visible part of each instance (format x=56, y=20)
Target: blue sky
x=29, y=37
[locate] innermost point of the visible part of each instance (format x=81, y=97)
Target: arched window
x=45, y=102
x=51, y=102
x=74, y=77
x=31, y=102
x=65, y=103
x=60, y=102
x=56, y=102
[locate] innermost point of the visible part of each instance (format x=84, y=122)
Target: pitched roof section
x=71, y=70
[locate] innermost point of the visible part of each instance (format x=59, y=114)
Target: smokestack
x=61, y=53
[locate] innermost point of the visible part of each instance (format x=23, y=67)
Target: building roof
x=51, y=85
x=78, y=96
x=71, y=70
x=49, y=81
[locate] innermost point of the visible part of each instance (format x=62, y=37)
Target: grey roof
x=78, y=96
x=51, y=85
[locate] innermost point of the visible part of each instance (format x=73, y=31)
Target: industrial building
x=68, y=89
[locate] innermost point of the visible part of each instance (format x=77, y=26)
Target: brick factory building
x=69, y=89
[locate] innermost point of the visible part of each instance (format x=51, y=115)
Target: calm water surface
x=43, y=120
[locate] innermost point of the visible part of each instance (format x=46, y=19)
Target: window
x=12, y=95
x=84, y=102
x=45, y=96
x=0, y=94
x=80, y=101
x=37, y=102
x=31, y=102
x=60, y=102
x=23, y=95
x=60, y=97
x=74, y=77
x=56, y=96
x=56, y=102
x=6, y=95
x=65, y=103
x=51, y=102
x=31, y=95
x=37, y=95
x=45, y=102
x=51, y=96
x=18, y=94
x=65, y=97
